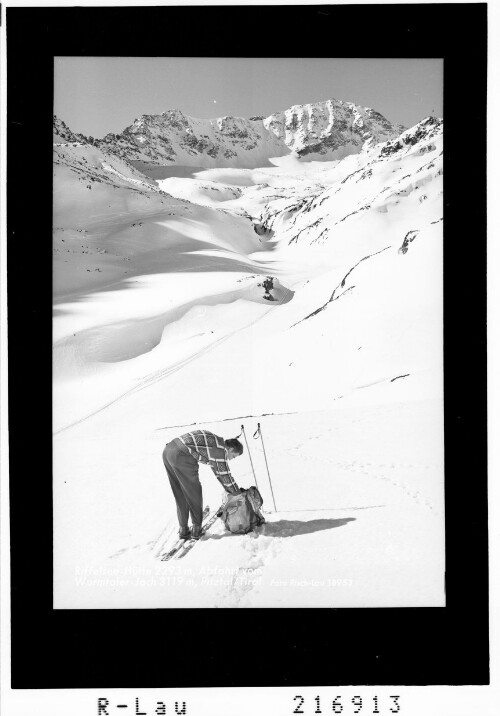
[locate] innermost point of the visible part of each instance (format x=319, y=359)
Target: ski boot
x=196, y=532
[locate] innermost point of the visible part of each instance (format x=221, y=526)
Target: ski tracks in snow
x=159, y=375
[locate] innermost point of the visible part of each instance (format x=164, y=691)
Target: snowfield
x=161, y=324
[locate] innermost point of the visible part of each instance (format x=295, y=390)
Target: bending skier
x=181, y=458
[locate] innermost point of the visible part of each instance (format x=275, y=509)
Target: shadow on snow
x=293, y=528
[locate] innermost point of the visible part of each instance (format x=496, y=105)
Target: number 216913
x=346, y=705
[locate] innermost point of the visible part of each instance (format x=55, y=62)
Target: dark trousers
x=182, y=471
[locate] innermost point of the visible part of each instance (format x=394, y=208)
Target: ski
x=190, y=543
x=180, y=542
x=173, y=551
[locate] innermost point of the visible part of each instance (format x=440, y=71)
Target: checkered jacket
x=210, y=449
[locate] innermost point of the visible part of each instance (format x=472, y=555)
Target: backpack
x=241, y=513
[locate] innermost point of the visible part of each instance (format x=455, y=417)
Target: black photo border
x=311, y=647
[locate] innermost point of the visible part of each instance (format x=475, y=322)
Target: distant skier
x=181, y=457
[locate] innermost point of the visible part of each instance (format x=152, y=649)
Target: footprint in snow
x=129, y=549
x=119, y=553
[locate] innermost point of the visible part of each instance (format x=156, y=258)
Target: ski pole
x=249, y=455
x=267, y=466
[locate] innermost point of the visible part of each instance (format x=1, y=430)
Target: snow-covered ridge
x=325, y=130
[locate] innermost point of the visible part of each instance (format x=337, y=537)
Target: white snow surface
x=160, y=326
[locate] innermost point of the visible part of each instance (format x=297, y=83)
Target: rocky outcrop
x=63, y=134
x=410, y=236
x=427, y=129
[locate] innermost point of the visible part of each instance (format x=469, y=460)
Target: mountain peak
x=331, y=128
x=324, y=130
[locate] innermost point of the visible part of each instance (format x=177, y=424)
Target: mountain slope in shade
x=101, y=204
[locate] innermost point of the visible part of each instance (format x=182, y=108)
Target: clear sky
x=96, y=95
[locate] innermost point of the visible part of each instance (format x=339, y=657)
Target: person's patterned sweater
x=210, y=449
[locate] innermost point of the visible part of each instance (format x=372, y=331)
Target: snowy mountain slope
x=333, y=128
x=324, y=130
x=341, y=363
x=95, y=194
x=92, y=165
x=386, y=179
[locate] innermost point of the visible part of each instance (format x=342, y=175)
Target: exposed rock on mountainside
x=173, y=137
x=426, y=129
x=63, y=134
x=333, y=128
